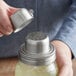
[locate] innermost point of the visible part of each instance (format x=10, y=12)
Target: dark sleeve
x=67, y=32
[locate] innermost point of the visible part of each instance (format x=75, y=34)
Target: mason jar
x=37, y=56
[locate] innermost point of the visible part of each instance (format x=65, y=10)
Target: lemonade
x=29, y=70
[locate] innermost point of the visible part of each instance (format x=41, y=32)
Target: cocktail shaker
x=21, y=19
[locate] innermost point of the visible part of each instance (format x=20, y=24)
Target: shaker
x=21, y=19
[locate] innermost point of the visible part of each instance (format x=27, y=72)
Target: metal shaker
x=21, y=19
x=37, y=49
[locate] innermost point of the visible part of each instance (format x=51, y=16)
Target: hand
x=64, y=61
x=6, y=27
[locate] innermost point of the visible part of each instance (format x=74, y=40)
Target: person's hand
x=63, y=54
x=6, y=27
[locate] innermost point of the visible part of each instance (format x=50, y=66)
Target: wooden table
x=7, y=66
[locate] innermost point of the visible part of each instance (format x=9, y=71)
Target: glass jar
x=37, y=57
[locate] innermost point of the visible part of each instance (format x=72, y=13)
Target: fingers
x=5, y=24
x=12, y=10
x=66, y=71
x=63, y=58
x=6, y=27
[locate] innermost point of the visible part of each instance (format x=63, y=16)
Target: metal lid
x=37, y=50
x=21, y=19
x=37, y=42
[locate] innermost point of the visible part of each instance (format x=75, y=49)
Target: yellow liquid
x=29, y=70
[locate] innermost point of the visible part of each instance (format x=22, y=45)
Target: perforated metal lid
x=37, y=50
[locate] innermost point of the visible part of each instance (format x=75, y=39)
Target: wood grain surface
x=74, y=67
x=7, y=66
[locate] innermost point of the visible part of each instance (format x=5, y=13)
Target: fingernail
x=1, y=35
x=8, y=33
x=9, y=30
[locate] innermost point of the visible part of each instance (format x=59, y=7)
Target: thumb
x=12, y=10
x=65, y=71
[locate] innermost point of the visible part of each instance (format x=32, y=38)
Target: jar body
x=23, y=69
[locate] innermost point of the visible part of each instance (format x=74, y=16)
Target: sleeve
x=67, y=32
